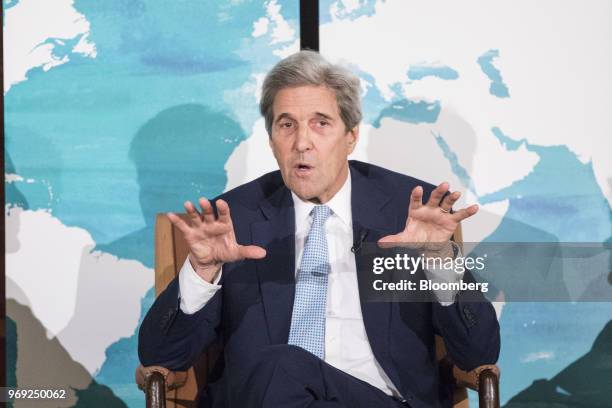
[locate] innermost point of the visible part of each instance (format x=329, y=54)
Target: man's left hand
x=430, y=226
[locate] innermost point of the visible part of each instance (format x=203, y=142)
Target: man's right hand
x=211, y=240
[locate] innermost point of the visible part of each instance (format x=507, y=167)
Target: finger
x=392, y=241
x=465, y=213
x=436, y=195
x=251, y=252
x=416, y=198
x=388, y=238
x=207, y=210
x=193, y=213
x=223, y=211
x=178, y=222
x=389, y=241
x=449, y=200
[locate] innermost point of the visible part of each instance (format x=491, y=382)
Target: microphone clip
x=359, y=242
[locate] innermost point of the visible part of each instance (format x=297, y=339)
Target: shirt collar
x=340, y=204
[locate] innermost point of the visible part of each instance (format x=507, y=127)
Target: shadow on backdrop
x=14, y=198
x=33, y=360
x=180, y=155
x=42, y=362
x=583, y=384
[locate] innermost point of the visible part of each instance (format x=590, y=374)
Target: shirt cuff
x=194, y=291
x=437, y=275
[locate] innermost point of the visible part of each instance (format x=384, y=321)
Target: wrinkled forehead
x=305, y=101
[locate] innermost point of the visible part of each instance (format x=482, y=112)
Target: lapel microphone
x=357, y=244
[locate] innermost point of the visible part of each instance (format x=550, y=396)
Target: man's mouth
x=303, y=169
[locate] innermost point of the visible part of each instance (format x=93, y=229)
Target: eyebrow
x=283, y=116
x=288, y=116
x=323, y=115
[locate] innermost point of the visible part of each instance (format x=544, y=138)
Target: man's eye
x=286, y=125
x=322, y=123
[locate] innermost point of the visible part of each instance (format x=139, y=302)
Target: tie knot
x=320, y=213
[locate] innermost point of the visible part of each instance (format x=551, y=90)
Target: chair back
x=170, y=253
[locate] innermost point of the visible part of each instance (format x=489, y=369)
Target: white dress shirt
x=346, y=342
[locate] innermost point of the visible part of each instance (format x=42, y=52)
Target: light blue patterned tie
x=308, y=317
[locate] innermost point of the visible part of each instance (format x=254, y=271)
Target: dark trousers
x=285, y=376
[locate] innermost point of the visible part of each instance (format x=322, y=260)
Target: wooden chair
x=165, y=388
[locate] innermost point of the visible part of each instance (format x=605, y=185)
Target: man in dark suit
x=277, y=279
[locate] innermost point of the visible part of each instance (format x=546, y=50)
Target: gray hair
x=310, y=68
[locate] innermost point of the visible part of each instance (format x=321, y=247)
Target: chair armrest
x=155, y=381
x=484, y=380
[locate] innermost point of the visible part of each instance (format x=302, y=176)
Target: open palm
x=431, y=224
x=211, y=240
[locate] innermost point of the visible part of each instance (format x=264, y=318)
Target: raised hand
x=211, y=240
x=431, y=225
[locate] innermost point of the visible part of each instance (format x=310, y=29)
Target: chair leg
x=488, y=389
x=155, y=390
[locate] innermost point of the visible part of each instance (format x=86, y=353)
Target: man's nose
x=303, y=140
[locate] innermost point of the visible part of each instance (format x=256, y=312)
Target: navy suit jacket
x=253, y=308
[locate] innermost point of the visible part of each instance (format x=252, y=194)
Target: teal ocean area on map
x=148, y=123
x=346, y=10
x=452, y=158
x=498, y=87
x=95, y=109
x=410, y=111
x=559, y=201
x=417, y=72
x=372, y=102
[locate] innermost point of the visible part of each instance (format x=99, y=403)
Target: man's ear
x=271, y=144
x=353, y=138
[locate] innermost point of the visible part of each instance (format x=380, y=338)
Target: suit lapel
x=370, y=221
x=276, y=272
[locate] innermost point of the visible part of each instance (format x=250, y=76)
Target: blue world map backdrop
x=118, y=110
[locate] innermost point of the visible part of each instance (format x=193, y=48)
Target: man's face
x=310, y=142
